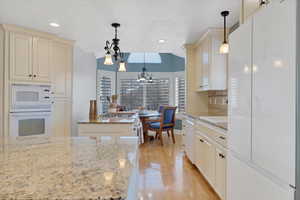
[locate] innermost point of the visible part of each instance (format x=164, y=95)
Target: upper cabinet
x=38, y=57
x=41, y=59
x=211, y=65
x=61, y=69
x=20, y=57
x=248, y=8
x=29, y=58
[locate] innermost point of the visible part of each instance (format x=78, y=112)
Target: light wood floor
x=166, y=174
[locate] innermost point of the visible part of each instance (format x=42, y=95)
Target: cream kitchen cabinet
x=29, y=58
x=20, y=57
x=199, y=153
x=211, y=65
x=61, y=118
x=189, y=146
x=205, y=157
x=220, y=179
x=210, y=156
x=41, y=59
x=61, y=69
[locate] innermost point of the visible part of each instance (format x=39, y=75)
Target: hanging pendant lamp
x=224, y=49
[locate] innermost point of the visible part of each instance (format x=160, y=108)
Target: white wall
x=84, y=85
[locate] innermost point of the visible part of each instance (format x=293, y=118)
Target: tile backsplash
x=218, y=103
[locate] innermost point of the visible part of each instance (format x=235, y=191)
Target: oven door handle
x=21, y=114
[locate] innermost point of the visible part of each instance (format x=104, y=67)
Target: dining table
x=144, y=116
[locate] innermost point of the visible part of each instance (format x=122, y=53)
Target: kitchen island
x=103, y=168
x=113, y=124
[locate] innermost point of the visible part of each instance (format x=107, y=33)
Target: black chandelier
x=144, y=76
x=113, y=50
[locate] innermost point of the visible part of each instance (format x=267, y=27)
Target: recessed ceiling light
x=53, y=24
x=161, y=41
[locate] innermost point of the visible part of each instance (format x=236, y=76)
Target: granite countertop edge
x=205, y=121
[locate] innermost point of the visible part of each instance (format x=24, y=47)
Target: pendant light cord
x=225, y=40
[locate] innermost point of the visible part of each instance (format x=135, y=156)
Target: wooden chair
x=166, y=122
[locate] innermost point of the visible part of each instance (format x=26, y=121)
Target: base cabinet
x=61, y=118
x=220, y=184
x=211, y=160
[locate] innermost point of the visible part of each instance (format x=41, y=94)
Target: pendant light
x=108, y=59
x=144, y=76
x=112, y=49
x=122, y=66
x=224, y=49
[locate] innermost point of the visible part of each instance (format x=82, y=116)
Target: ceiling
x=143, y=22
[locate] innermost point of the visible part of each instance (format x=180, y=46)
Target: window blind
x=104, y=91
x=157, y=93
x=131, y=94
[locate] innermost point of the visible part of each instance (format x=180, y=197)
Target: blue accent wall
x=170, y=63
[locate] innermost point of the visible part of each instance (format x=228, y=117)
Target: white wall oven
x=30, y=111
x=30, y=124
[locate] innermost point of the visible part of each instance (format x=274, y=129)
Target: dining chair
x=166, y=122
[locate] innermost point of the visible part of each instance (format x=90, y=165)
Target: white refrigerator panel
x=240, y=60
x=246, y=183
x=274, y=47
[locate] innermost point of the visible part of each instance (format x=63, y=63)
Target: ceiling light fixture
x=112, y=50
x=224, y=49
x=161, y=41
x=53, y=24
x=144, y=76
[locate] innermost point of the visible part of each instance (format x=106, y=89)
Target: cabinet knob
x=222, y=137
x=30, y=75
x=34, y=75
x=201, y=140
x=221, y=155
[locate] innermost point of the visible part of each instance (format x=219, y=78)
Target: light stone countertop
x=68, y=168
x=217, y=121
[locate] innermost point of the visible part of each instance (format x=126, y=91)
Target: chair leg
x=161, y=137
x=156, y=135
x=173, y=137
x=168, y=133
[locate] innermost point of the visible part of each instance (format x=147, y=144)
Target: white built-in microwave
x=25, y=98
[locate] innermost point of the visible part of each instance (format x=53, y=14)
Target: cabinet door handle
x=201, y=140
x=221, y=155
x=222, y=137
x=47, y=97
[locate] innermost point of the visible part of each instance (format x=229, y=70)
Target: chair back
x=168, y=116
x=160, y=109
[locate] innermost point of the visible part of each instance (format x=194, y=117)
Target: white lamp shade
x=122, y=67
x=224, y=49
x=108, y=60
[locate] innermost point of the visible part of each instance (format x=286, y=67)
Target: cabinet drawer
x=212, y=134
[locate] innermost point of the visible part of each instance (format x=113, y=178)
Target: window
x=104, y=91
x=134, y=94
x=180, y=94
x=131, y=94
x=157, y=93
x=144, y=57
